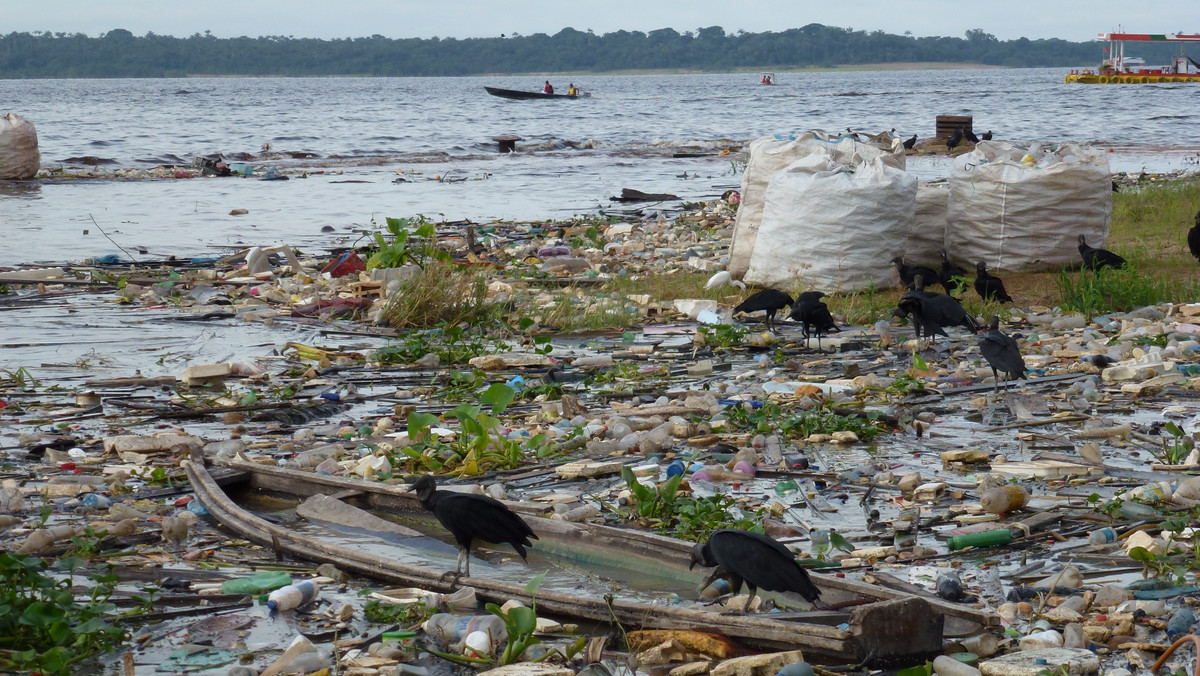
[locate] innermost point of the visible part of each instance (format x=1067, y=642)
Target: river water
x=372, y=146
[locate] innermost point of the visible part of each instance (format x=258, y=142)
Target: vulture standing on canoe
x=471, y=517
x=757, y=560
x=768, y=300
x=1095, y=259
x=1001, y=353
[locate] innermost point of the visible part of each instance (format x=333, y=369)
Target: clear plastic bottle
x=948, y=666
x=1102, y=536
x=454, y=628
x=1181, y=622
x=292, y=596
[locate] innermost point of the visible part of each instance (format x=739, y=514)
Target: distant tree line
x=119, y=53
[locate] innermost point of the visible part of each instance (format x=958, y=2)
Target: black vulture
x=757, y=560
x=932, y=312
x=1001, y=353
x=813, y=315
x=955, y=139
x=948, y=273
x=471, y=517
x=988, y=286
x=1194, y=238
x=909, y=272
x=970, y=136
x=770, y=300
x=1098, y=258
x=909, y=143
x=986, y=136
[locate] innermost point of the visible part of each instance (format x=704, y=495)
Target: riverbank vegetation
x=119, y=53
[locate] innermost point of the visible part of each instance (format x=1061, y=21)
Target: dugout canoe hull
x=892, y=627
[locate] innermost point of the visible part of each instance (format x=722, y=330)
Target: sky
x=1076, y=20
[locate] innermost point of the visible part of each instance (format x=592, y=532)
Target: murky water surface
x=372, y=145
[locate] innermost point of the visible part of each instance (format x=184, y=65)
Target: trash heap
x=1043, y=526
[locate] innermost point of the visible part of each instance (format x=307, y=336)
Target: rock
x=1111, y=595
x=1026, y=663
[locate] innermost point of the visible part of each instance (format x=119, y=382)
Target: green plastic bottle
x=257, y=584
x=991, y=538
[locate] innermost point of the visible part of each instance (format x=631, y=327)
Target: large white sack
x=770, y=155
x=827, y=228
x=1022, y=215
x=19, y=156
x=927, y=234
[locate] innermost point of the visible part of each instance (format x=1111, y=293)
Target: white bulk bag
x=927, y=234
x=1023, y=209
x=19, y=156
x=830, y=228
x=769, y=155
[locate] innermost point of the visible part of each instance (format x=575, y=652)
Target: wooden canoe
x=890, y=627
x=521, y=95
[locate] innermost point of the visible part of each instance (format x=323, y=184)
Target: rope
x=1182, y=639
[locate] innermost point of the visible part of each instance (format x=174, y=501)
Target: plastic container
x=1102, y=536
x=991, y=538
x=1042, y=639
x=796, y=669
x=676, y=467
x=717, y=589
x=1004, y=499
x=984, y=645
x=454, y=628
x=1181, y=622
x=948, y=666
x=314, y=456
x=260, y=583
x=292, y=596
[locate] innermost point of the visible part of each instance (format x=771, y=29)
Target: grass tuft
x=442, y=294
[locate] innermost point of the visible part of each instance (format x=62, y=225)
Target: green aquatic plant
x=43, y=627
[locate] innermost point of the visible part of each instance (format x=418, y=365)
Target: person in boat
x=549, y=88
x=571, y=90
x=765, y=79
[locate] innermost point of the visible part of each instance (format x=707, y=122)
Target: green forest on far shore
x=119, y=53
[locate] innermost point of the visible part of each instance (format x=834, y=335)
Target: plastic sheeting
x=770, y=155
x=830, y=227
x=19, y=156
x=1022, y=209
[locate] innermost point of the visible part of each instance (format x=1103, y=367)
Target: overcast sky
x=1009, y=19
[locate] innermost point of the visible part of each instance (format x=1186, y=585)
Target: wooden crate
x=946, y=124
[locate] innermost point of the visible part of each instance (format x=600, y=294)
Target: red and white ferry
x=1121, y=69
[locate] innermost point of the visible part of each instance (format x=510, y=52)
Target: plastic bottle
x=948, y=666
x=1004, y=499
x=292, y=596
x=984, y=645
x=260, y=583
x=314, y=456
x=454, y=628
x=717, y=589
x=1181, y=622
x=1042, y=639
x=1102, y=536
x=991, y=538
